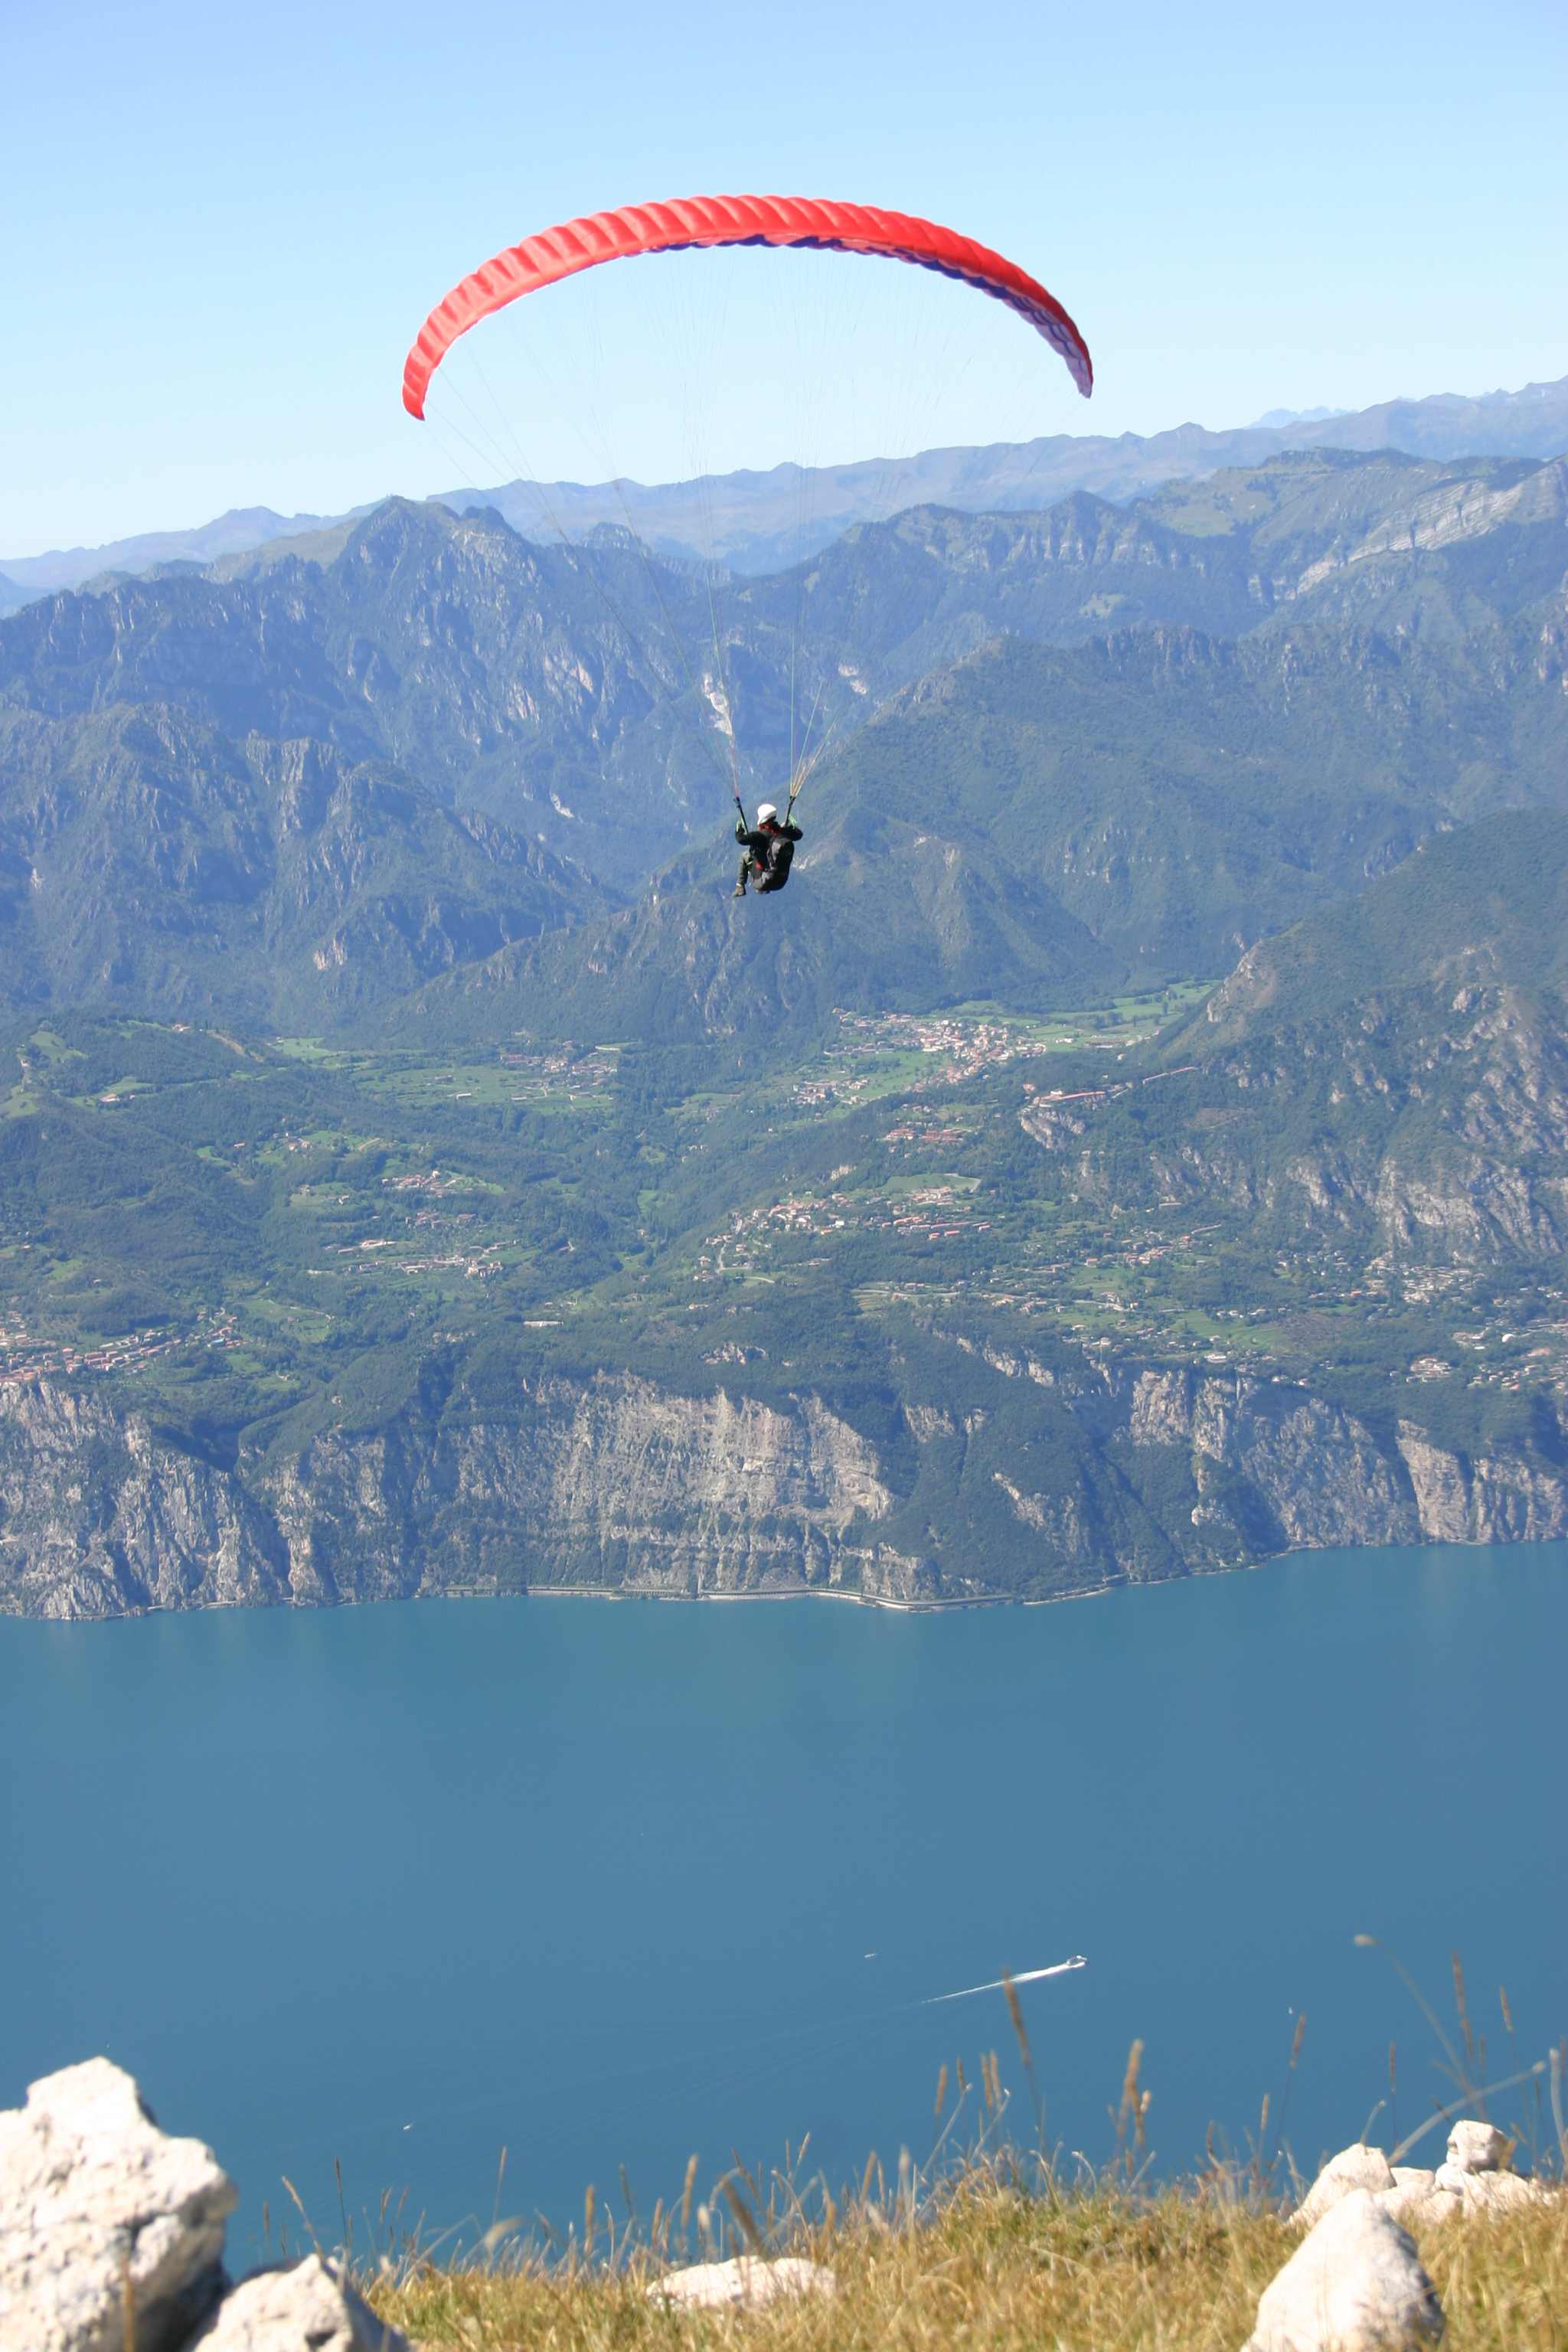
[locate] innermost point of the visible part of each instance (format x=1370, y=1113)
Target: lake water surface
x=609, y=1883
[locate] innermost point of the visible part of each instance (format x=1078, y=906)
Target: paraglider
x=686, y=222
x=767, y=850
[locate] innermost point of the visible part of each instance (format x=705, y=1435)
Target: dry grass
x=994, y=2250
x=1106, y=2268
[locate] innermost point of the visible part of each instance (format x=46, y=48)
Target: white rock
x=1411, y=2191
x=1357, y=2166
x=1354, y=2283
x=1491, y=2193
x=1477, y=2148
x=747, y=2281
x=1421, y=2208
x=305, y=2308
x=100, y=2211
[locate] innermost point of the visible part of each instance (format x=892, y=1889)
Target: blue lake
x=597, y=1883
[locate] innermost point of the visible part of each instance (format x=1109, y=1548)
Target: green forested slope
x=147, y=859
x=1035, y=824
x=1469, y=910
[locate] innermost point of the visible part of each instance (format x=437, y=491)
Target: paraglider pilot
x=766, y=852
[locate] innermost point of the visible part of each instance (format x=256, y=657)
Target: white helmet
x=766, y=810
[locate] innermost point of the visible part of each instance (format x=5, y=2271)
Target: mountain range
x=1137, y=1142
x=763, y=521
x=1044, y=825
x=294, y=789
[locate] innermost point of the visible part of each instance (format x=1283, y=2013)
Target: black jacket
x=772, y=848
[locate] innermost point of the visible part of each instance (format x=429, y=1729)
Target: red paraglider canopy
x=687, y=221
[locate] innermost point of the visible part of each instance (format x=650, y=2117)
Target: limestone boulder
x=308, y=2307
x=1354, y=2284
x=110, y=2230
x=1490, y=2193
x=747, y=2284
x=1356, y=2166
x=1413, y=2193
x=1477, y=2148
x=1416, y=2209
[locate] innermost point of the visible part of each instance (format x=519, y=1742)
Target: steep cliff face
x=98, y=1517
x=1233, y=1469
x=1253, y=1447
x=1500, y=1499
x=605, y=1482
x=1139, y=1474
x=602, y=1482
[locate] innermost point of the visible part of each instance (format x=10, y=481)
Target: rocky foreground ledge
x=111, y=2240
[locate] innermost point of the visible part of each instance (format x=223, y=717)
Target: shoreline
x=794, y=1592
x=927, y=1608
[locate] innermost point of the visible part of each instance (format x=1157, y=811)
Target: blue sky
x=223, y=227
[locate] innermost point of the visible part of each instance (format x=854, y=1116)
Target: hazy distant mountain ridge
x=763, y=521
x=241, y=528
